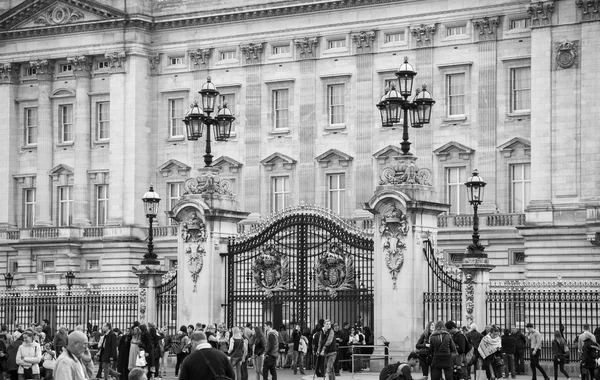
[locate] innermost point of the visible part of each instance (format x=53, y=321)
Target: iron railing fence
x=70, y=308
x=166, y=302
x=549, y=305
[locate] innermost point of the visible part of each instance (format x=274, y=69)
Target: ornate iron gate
x=166, y=302
x=302, y=265
x=443, y=300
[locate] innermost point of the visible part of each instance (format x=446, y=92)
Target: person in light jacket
x=29, y=356
x=70, y=365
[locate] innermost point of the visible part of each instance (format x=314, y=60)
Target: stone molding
x=487, y=27
x=9, y=73
x=333, y=156
x=252, y=52
x=445, y=152
x=116, y=60
x=200, y=56
x=363, y=41
x=59, y=15
x=271, y=161
x=566, y=54
x=307, y=46
x=405, y=172
x=540, y=12
x=423, y=34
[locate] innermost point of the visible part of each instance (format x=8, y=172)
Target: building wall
x=556, y=136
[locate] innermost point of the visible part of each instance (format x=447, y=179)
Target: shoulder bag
x=215, y=376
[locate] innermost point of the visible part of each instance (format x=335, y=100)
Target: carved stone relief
x=209, y=183
x=540, y=12
x=193, y=233
x=9, y=72
x=116, y=59
x=271, y=271
x=423, y=34
x=487, y=27
x=566, y=54
x=59, y=15
x=393, y=230
x=363, y=41
x=252, y=52
x=307, y=46
x=405, y=173
x=200, y=56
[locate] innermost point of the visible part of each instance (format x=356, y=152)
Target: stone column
x=9, y=79
x=44, y=163
x=405, y=211
x=149, y=280
x=207, y=217
x=82, y=66
x=476, y=280
x=117, y=136
x=253, y=133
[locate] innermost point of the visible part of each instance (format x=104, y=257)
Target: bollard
x=386, y=361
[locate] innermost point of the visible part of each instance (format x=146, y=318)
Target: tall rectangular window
x=31, y=126
x=520, y=89
x=101, y=204
x=176, y=117
x=65, y=206
x=280, y=108
x=456, y=94
x=520, y=187
x=103, y=121
x=28, y=208
x=230, y=100
x=336, y=191
x=175, y=191
x=456, y=193
x=66, y=123
x=280, y=193
x=335, y=102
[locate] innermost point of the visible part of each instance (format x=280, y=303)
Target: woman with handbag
x=422, y=347
x=28, y=358
x=560, y=352
x=237, y=351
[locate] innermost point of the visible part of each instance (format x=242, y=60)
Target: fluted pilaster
x=364, y=127
x=307, y=134
x=9, y=142
x=253, y=133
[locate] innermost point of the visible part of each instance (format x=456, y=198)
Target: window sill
x=280, y=131
x=335, y=127
x=101, y=143
x=175, y=139
x=28, y=147
x=65, y=144
x=519, y=114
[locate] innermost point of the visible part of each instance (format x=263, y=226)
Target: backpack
x=469, y=354
x=392, y=372
x=176, y=346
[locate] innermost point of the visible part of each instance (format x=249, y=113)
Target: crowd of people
x=459, y=352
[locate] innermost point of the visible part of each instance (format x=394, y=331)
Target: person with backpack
x=441, y=348
x=238, y=349
x=422, y=347
x=180, y=344
x=590, y=352
x=401, y=370
x=463, y=347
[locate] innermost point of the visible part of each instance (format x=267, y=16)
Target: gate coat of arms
x=271, y=271
x=334, y=270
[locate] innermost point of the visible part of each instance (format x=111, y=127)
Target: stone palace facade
x=93, y=94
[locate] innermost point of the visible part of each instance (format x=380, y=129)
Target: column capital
x=82, y=65
x=154, y=61
x=307, y=46
x=9, y=72
x=540, y=12
x=487, y=27
x=586, y=6
x=44, y=68
x=363, y=41
x=200, y=57
x=252, y=52
x=423, y=34
x=117, y=61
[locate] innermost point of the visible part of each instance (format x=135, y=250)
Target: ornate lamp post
x=70, y=276
x=8, y=280
x=418, y=108
x=151, y=200
x=475, y=187
x=198, y=117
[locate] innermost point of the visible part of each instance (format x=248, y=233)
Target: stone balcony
x=12, y=236
x=488, y=220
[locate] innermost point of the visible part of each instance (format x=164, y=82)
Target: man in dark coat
x=12, y=350
x=108, y=352
x=195, y=365
x=520, y=345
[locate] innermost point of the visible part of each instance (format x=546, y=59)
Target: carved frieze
x=209, y=183
x=252, y=52
x=487, y=27
x=271, y=270
x=307, y=46
x=406, y=172
x=334, y=270
x=59, y=15
x=116, y=60
x=193, y=233
x=393, y=230
x=469, y=282
x=540, y=12
x=200, y=56
x=363, y=41
x=590, y=9
x=9, y=72
x=423, y=34
x=566, y=54
x=154, y=61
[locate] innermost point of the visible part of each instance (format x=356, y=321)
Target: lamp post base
x=150, y=262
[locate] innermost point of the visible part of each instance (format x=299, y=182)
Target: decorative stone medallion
x=59, y=15
x=334, y=270
x=566, y=53
x=210, y=183
x=271, y=271
x=405, y=173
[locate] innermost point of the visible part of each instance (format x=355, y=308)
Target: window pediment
x=62, y=93
x=509, y=148
x=384, y=155
x=221, y=162
x=454, y=150
x=172, y=166
x=331, y=156
x=278, y=158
